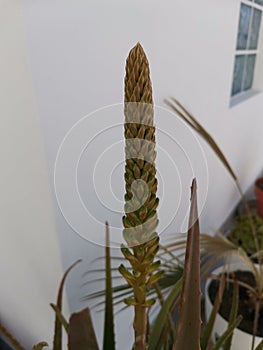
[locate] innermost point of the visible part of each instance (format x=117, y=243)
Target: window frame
x=247, y=51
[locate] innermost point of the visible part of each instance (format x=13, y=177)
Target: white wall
x=30, y=266
x=77, y=51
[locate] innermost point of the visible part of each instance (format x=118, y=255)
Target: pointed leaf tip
x=193, y=187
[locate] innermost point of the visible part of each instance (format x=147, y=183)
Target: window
x=247, y=45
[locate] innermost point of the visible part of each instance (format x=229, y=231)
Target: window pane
x=260, y=2
x=249, y=71
x=254, y=32
x=238, y=74
x=243, y=26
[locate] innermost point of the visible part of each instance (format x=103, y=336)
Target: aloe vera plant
x=80, y=330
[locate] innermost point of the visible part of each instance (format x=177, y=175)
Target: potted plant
x=258, y=190
x=145, y=273
x=244, y=242
x=242, y=335
x=80, y=330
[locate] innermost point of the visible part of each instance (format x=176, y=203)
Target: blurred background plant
x=240, y=233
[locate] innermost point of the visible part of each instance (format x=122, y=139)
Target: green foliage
x=233, y=314
x=162, y=335
x=225, y=336
x=241, y=234
x=157, y=339
x=60, y=317
x=234, y=320
x=206, y=336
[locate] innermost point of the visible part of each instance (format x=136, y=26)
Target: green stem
x=140, y=327
x=140, y=315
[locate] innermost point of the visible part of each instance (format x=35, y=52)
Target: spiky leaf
x=189, y=321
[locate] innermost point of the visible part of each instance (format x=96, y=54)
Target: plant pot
x=241, y=339
x=258, y=190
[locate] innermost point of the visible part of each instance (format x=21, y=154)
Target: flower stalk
x=140, y=220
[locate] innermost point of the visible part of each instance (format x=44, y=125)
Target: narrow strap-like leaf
x=210, y=323
x=161, y=319
x=61, y=318
x=168, y=333
x=233, y=313
x=191, y=121
x=227, y=333
x=57, y=340
x=109, y=336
